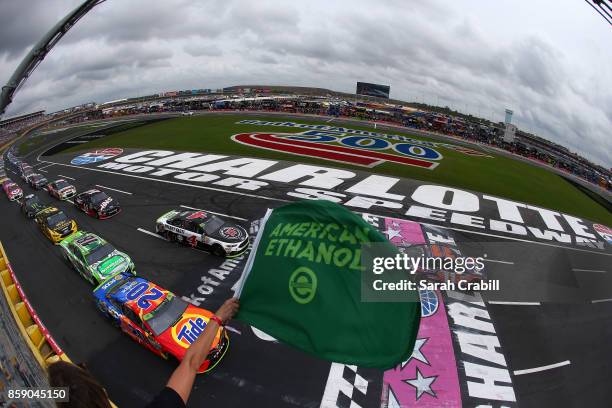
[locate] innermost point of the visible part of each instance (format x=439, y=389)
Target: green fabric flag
x=302, y=285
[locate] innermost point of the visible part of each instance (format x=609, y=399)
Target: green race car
x=94, y=258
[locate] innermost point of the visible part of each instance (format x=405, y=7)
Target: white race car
x=205, y=230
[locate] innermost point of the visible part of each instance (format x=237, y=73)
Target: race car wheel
x=217, y=250
x=169, y=236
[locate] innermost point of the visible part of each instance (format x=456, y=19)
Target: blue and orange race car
x=156, y=318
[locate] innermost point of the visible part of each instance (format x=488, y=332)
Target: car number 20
x=145, y=295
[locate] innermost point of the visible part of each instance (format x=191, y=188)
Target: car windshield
x=213, y=224
x=166, y=314
x=99, y=253
x=56, y=218
x=61, y=184
x=98, y=197
x=32, y=201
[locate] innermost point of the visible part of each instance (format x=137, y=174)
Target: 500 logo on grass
x=361, y=150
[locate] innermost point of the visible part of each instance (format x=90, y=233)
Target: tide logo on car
x=187, y=330
x=367, y=151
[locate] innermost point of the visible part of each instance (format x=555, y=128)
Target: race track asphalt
x=260, y=373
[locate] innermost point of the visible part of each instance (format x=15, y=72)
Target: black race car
x=37, y=181
x=203, y=229
x=97, y=204
x=31, y=205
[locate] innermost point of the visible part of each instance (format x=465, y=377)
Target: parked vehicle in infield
x=156, y=318
x=37, y=181
x=12, y=190
x=97, y=204
x=94, y=258
x=54, y=224
x=32, y=205
x=203, y=229
x=61, y=189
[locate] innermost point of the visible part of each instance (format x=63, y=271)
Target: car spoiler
x=110, y=282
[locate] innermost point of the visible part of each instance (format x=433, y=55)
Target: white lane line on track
x=212, y=212
x=158, y=180
x=543, y=368
x=44, y=171
x=498, y=261
x=329, y=120
x=601, y=300
x=500, y=302
x=114, y=189
x=587, y=270
x=70, y=201
x=69, y=178
x=151, y=234
x=49, y=165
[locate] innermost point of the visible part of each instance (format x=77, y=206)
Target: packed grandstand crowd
x=466, y=127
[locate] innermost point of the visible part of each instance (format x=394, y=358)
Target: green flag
x=302, y=285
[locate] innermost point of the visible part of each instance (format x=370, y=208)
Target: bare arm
x=183, y=376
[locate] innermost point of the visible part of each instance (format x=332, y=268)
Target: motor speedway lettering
x=361, y=192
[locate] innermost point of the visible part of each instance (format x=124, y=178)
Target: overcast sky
x=550, y=61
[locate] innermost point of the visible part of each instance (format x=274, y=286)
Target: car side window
x=176, y=222
x=129, y=313
x=191, y=226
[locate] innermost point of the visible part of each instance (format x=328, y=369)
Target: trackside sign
x=282, y=181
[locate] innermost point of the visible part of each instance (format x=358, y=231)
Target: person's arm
x=183, y=376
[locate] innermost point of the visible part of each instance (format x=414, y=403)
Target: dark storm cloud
x=474, y=59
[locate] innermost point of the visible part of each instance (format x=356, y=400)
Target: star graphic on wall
x=422, y=384
x=417, y=354
x=392, y=233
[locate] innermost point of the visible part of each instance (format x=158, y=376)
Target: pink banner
x=429, y=377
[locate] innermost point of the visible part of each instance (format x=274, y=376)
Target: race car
x=156, y=318
x=94, y=258
x=61, y=189
x=203, y=229
x=54, y=224
x=26, y=172
x=97, y=204
x=12, y=190
x=36, y=181
x=31, y=205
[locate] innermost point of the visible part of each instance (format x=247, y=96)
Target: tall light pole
x=40, y=50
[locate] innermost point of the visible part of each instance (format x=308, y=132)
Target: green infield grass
x=497, y=175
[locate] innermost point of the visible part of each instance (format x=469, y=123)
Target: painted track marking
x=542, y=368
x=151, y=234
x=70, y=178
x=212, y=212
x=49, y=165
x=158, y=180
x=601, y=300
x=282, y=200
x=500, y=302
x=114, y=189
x=587, y=270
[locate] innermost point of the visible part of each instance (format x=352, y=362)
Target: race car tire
x=170, y=236
x=217, y=250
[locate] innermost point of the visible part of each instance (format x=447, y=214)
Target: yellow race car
x=55, y=225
